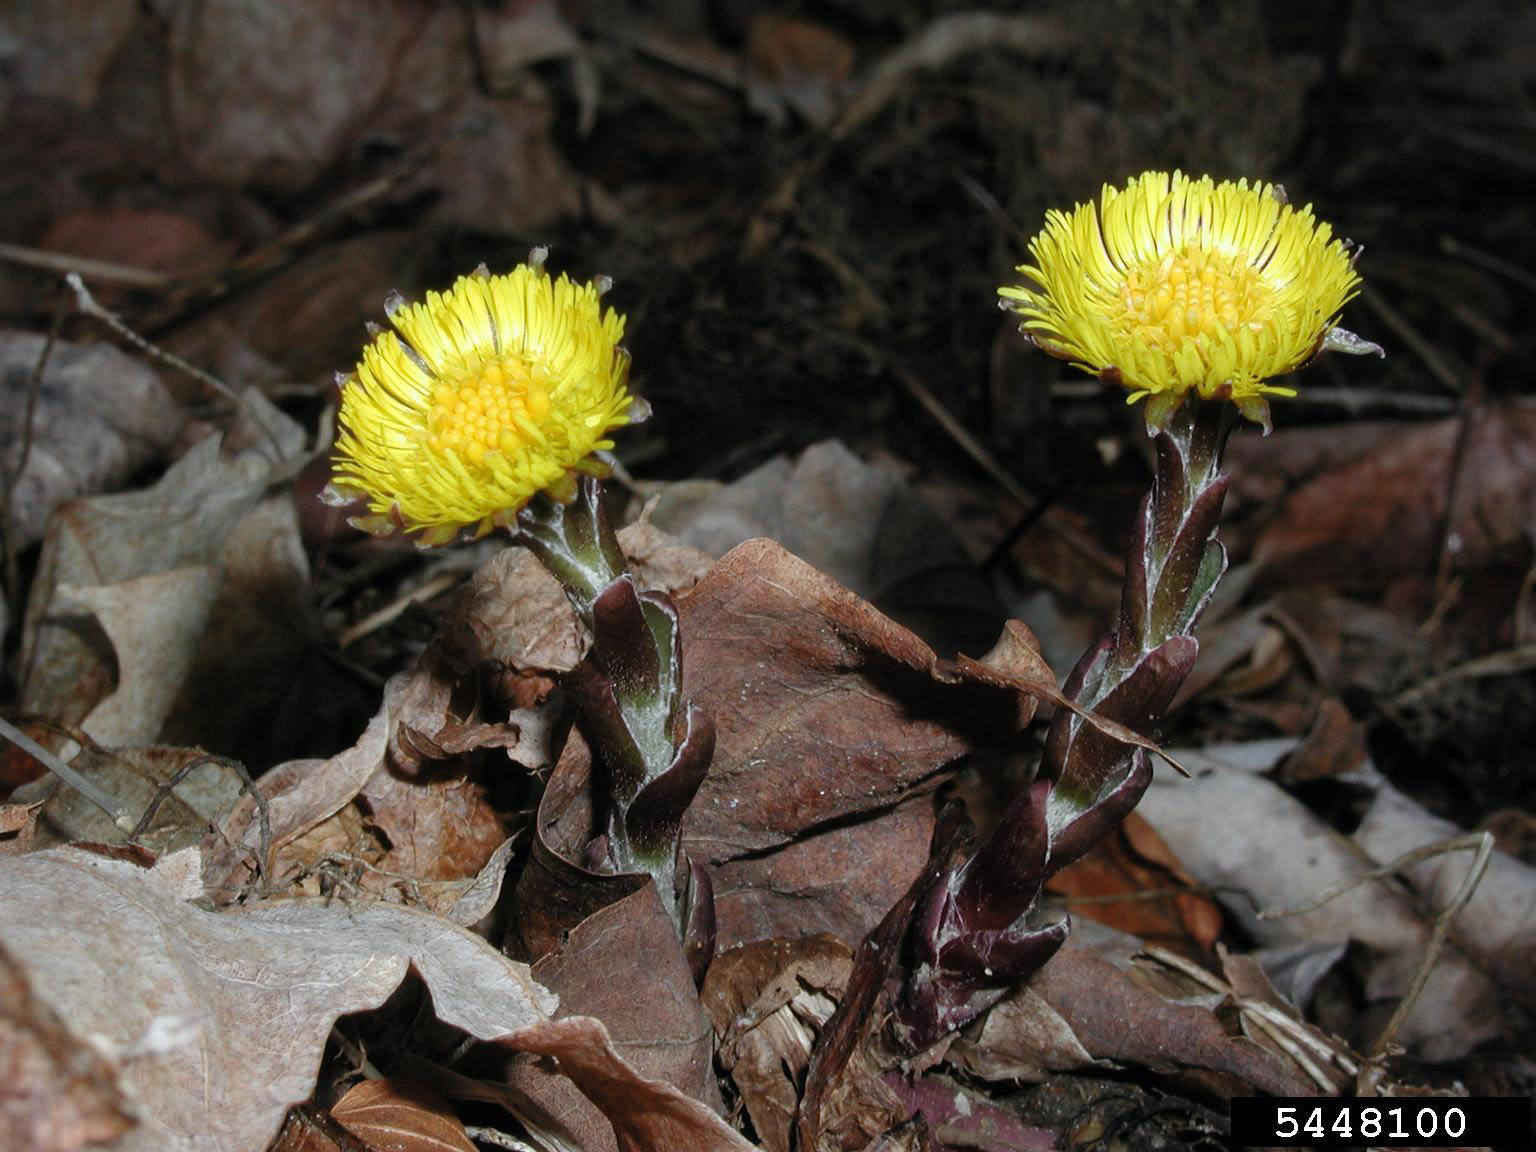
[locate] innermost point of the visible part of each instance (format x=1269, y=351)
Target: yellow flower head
x=498, y=389
x=1172, y=285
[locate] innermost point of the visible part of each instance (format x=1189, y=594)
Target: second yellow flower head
x=482, y=396
x=1174, y=285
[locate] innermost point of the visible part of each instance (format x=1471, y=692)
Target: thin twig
x=430, y=589
x=1292, y=1036
x=1509, y=662
x=190, y=295
x=933, y=47
x=973, y=448
x=103, y=270
x=1480, y=843
x=89, y=307
x=263, y=812
x=1404, y=331
x=119, y=815
x=1521, y=276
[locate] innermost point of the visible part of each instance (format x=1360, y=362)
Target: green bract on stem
x=971, y=936
x=650, y=747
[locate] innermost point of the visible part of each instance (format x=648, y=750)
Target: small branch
x=119, y=815
x=103, y=270
x=430, y=590
x=1479, y=843
x=1404, y=331
x=89, y=307
x=263, y=812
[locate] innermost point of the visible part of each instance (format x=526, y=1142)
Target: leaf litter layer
x=1377, y=622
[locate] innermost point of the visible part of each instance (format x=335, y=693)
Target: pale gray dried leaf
x=216, y=1022
x=100, y=417
x=1498, y=925
x=152, y=623
x=197, y=1008
x=260, y=631
x=1270, y=847
x=857, y=522
x=238, y=119
x=64, y=47
x=508, y=38
x=57, y=1092
x=126, y=582
x=472, y=900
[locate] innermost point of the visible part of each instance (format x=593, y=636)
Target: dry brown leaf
x=797, y=64
x=64, y=47
x=512, y=619
x=1335, y=746
x=647, y=1115
x=624, y=965
x=513, y=613
x=961, y=1117
x=1133, y=860
x=307, y=315
x=100, y=417
x=826, y=712
x=839, y=880
x=824, y=709
x=1370, y=504
x=400, y=1116
x=768, y=1001
x=299, y=794
x=153, y=239
x=238, y=120
x=18, y=827
x=1088, y=1000
x=57, y=1092
x=442, y=828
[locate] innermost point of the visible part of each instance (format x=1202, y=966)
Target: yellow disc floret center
x=1190, y=294
x=493, y=406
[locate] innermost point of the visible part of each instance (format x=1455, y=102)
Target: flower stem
x=1172, y=566
x=971, y=934
x=650, y=747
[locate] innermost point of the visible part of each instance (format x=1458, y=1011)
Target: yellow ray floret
x=1172, y=285
x=482, y=396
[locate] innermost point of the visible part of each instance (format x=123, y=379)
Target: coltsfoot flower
x=478, y=399
x=1174, y=285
